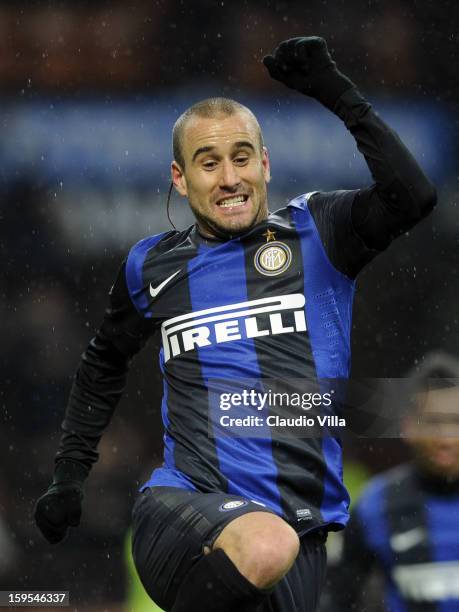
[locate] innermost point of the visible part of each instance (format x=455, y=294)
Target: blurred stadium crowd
x=72, y=205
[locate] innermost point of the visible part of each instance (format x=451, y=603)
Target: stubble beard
x=212, y=228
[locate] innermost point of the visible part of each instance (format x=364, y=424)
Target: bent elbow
x=423, y=201
x=428, y=199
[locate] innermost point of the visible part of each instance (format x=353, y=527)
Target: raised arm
x=401, y=194
x=96, y=390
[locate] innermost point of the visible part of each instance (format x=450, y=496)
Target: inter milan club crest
x=274, y=257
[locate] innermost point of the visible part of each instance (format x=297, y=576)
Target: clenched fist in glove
x=60, y=507
x=305, y=64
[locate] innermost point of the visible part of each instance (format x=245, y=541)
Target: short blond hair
x=208, y=108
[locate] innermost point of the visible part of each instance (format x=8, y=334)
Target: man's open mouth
x=233, y=201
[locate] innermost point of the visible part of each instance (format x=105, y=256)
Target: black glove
x=304, y=64
x=60, y=507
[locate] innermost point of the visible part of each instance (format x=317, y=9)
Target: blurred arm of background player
x=356, y=562
x=401, y=195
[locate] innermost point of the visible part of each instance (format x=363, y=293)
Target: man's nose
x=229, y=177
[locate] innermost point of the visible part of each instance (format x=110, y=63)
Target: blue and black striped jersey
x=222, y=317
x=407, y=525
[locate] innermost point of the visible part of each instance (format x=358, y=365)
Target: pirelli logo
x=254, y=319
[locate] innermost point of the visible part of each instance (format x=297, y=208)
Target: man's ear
x=266, y=165
x=178, y=178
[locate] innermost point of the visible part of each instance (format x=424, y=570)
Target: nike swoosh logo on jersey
x=432, y=582
x=403, y=541
x=155, y=290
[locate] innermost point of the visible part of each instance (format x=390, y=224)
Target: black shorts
x=172, y=526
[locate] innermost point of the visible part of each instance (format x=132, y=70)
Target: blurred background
x=89, y=94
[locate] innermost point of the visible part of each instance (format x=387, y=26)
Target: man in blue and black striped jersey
x=243, y=294
x=406, y=523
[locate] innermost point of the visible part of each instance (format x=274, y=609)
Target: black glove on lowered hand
x=305, y=64
x=60, y=507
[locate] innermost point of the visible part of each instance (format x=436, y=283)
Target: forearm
x=99, y=382
x=401, y=195
x=96, y=390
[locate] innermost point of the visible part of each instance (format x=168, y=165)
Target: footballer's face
x=225, y=174
x=435, y=436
